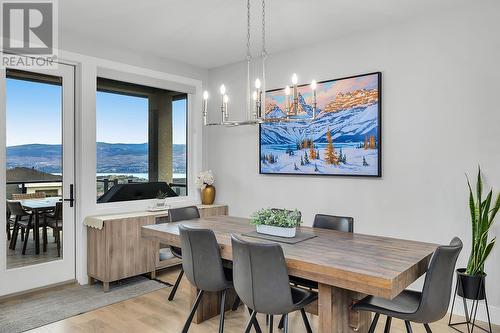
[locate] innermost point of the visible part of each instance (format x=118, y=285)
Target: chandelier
x=255, y=100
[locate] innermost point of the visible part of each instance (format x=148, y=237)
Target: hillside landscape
x=111, y=157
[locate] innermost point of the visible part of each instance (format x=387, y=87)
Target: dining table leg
x=335, y=313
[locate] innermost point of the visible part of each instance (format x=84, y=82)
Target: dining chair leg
x=26, y=237
x=22, y=235
x=44, y=233
x=222, y=310
x=271, y=323
x=255, y=322
x=408, y=327
x=374, y=323
x=185, y=329
x=280, y=324
x=388, y=325
x=306, y=321
x=267, y=319
x=427, y=328
x=15, y=233
x=58, y=240
x=176, y=285
x=236, y=303
x=251, y=321
x=7, y=225
x=285, y=324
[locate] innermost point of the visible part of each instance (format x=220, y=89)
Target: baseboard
x=481, y=311
x=34, y=291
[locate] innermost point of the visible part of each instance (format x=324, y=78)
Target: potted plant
x=277, y=222
x=161, y=200
x=483, y=211
x=204, y=182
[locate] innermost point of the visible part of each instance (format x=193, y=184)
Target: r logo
x=28, y=27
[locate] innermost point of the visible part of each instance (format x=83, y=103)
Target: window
x=141, y=138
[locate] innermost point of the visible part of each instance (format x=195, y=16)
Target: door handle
x=71, y=196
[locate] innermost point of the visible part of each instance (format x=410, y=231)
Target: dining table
x=37, y=206
x=346, y=266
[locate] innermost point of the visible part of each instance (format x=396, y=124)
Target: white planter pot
x=161, y=203
x=276, y=231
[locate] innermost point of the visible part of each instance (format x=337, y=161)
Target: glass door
x=37, y=246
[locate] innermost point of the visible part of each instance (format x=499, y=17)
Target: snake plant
x=482, y=217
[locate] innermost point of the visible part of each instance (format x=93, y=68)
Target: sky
x=34, y=116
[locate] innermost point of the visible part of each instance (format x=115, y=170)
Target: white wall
x=441, y=80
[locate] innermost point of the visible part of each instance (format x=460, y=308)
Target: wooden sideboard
x=117, y=250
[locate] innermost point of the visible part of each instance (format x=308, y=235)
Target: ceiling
x=211, y=33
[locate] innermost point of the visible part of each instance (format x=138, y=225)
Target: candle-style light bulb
x=314, y=85
x=205, y=107
x=257, y=84
x=287, y=100
x=223, y=90
x=225, y=112
x=295, y=106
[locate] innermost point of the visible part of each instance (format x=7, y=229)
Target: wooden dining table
x=37, y=206
x=347, y=266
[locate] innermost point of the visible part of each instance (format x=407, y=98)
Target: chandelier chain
x=264, y=51
x=249, y=55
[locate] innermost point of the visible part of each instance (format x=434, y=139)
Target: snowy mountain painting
x=343, y=139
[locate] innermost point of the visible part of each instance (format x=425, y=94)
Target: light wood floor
x=16, y=259
x=154, y=313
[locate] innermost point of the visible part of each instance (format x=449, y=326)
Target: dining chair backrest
x=58, y=211
x=22, y=196
x=339, y=223
x=16, y=208
x=438, y=281
x=201, y=260
x=183, y=213
x=260, y=276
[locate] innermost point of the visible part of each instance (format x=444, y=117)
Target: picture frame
x=349, y=108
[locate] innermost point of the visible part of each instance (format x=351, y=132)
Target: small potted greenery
x=277, y=222
x=161, y=199
x=483, y=212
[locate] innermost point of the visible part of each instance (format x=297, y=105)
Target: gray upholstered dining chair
x=424, y=307
x=339, y=223
x=203, y=267
x=176, y=215
x=17, y=210
x=260, y=278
